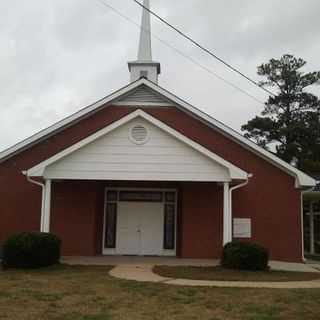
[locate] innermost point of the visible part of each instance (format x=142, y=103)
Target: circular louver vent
x=139, y=134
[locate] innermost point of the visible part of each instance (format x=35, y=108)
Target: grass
x=89, y=293
x=221, y=274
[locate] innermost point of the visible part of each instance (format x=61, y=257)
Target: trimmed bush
x=31, y=250
x=245, y=256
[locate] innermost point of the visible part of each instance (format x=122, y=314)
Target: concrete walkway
x=137, y=261
x=144, y=273
x=141, y=269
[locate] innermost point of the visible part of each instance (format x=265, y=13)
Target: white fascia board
x=302, y=179
x=235, y=172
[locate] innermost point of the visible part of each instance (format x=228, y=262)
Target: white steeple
x=145, y=50
x=145, y=66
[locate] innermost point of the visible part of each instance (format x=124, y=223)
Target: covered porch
x=138, y=187
x=172, y=219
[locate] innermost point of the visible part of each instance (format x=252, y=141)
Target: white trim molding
x=235, y=173
x=302, y=179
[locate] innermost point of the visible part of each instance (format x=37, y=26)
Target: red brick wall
x=201, y=221
x=76, y=215
x=270, y=199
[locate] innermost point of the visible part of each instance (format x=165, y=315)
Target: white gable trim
x=302, y=179
x=235, y=172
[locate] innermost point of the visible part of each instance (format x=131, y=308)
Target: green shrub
x=31, y=250
x=245, y=256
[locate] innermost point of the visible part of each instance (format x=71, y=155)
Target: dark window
x=146, y=196
x=111, y=225
x=169, y=227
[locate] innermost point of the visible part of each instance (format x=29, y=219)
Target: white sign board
x=241, y=228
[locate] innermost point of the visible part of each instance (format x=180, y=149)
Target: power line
x=205, y=49
x=182, y=54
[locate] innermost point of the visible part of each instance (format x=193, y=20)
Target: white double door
x=140, y=228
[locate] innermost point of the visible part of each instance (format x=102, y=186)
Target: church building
x=143, y=172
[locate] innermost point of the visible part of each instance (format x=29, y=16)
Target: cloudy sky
x=57, y=56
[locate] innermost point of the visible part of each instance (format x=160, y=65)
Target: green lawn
x=89, y=293
x=221, y=274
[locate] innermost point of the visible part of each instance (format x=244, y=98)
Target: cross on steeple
x=145, y=67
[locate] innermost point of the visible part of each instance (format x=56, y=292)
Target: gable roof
x=302, y=179
x=235, y=172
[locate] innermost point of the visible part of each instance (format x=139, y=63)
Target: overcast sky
x=57, y=56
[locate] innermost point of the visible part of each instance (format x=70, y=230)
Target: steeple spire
x=145, y=50
x=145, y=67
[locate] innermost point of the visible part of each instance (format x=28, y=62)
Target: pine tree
x=290, y=120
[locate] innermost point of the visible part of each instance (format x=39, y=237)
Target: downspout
x=302, y=218
x=241, y=185
x=42, y=185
